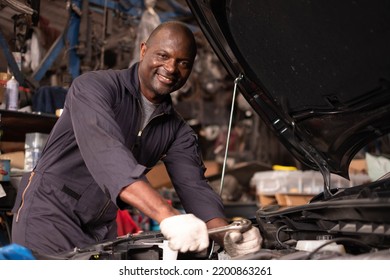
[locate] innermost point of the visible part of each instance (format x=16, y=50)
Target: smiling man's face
x=166, y=61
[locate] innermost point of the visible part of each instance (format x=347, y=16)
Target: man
x=115, y=126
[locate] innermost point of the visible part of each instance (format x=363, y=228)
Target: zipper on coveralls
x=23, y=194
x=140, y=131
x=137, y=146
x=149, y=121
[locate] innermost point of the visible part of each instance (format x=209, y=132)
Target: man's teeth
x=165, y=78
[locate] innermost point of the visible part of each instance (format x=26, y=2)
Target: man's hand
x=185, y=233
x=237, y=243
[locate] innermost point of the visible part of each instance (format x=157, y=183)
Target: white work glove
x=238, y=244
x=185, y=233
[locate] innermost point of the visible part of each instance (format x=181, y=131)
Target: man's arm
x=146, y=199
x=217, y=222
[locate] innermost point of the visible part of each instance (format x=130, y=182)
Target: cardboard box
x=292, y=199
x=265, y=200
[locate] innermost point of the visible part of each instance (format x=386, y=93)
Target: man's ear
x=142, y=50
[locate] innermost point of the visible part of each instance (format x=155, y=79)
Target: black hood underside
x=317, y=72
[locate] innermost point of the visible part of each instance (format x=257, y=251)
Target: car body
x=317, y=73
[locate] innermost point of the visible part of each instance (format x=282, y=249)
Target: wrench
x=240, y=225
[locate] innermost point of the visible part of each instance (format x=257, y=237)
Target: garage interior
x=46, y=49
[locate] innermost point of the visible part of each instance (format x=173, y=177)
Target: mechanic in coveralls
x=115, y=126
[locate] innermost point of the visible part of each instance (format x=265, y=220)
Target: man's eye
x=162, y=56
x=185, y=64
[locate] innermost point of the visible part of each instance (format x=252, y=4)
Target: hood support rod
x=236, y=81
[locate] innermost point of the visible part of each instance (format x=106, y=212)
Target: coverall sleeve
x=92, y=99
x=186, y=169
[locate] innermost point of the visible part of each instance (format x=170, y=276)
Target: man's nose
x=170, y=65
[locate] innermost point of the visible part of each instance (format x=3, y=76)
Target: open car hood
x=317, y=73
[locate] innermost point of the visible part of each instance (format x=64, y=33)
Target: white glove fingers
x=199, y=244
x=185, y=233
x=249, y=243
x=204, y=244
x=184, y=249
x=173, y=246
x=252, y=234
x=234, y=236
x=176, y=246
